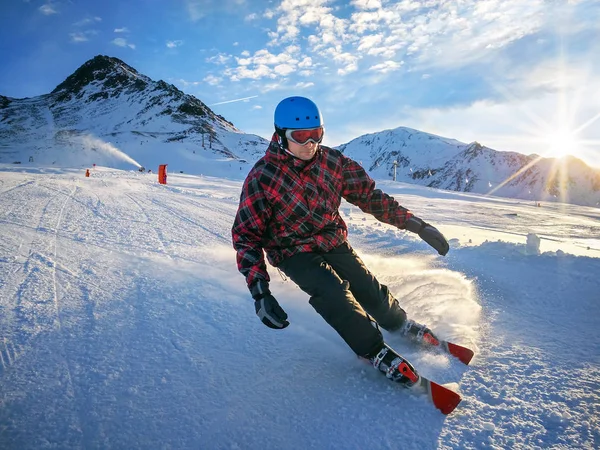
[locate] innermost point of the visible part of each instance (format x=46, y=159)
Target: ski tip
x=443, y=398
x=464, y=354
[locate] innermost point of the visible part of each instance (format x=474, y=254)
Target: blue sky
x=520, y=75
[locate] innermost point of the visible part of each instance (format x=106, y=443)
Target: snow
x=422, y=158
x=125, y=324
x=107, y=113
x=113, y=122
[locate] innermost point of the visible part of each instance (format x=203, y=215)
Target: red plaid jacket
x=289, y=206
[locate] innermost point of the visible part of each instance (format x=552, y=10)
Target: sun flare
x=561, y=143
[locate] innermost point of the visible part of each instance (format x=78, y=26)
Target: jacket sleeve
x=249, y=226
x=359, y=189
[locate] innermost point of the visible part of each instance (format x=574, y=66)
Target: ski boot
x=423, y=335
x=419, y=333
x=395, y=367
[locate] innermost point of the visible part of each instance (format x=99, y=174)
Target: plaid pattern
x=288, y=206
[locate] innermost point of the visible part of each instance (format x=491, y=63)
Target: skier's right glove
x=428, y=233
x=267, y=308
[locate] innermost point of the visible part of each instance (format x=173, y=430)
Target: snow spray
x=95, y=143
x=443, y=299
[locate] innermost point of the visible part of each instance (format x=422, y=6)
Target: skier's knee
x=333, y=302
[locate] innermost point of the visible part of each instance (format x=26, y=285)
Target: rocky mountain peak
x=105, y=77
x=4, y=101
x=473, y=150
x=106, y=72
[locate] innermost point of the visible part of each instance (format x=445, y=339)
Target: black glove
x=429, y=234
x=267, y=308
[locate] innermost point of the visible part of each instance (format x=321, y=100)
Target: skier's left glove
x=428, y=233
x=266, y=306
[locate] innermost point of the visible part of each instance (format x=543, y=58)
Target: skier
x=289, y=208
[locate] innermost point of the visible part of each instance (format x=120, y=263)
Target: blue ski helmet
x=297, y=112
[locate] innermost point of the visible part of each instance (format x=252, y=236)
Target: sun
x=561, y=143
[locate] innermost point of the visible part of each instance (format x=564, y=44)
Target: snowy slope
x=125, y=324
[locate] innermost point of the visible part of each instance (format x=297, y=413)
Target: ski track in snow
x=125, y=324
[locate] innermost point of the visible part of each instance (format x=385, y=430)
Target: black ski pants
x=343, y=291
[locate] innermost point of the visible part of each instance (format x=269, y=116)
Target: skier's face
x=304, y=152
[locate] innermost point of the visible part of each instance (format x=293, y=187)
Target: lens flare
x=561, y=143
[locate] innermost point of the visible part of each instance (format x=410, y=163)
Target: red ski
x=464, y=354
x=443, y=398
x=399, y=370
x=423, y=335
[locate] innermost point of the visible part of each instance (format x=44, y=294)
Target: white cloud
x=78, y=37
x=173, y=44
x=47, y=9
x=195, y=9
x=120, y=42
x=306, y=62
x=386, y=66
x=364, y=21
x=349, y=68
x=375, y=38
x=368, y=42
x=122, y=30
x=87, y=21
x=294, y=14
x=551, y=75
x=256, y=73
x=454, y=37
x=263, y=64
x=366, y=4
x=198, y=9
x=186, y=83
x=324, y=40
x=212, y=80
x=82, y=36
x=270, y=87
x=438, y=33
x=256, y=107
x=220, y=59
x=384, y=51
x=304, y=85
x=292, y=49
x=341, y=57
x=283, y=69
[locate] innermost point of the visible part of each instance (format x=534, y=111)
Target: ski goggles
x=301, y=137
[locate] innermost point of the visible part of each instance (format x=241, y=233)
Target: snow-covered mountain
x=109, y=114
x=434, y=161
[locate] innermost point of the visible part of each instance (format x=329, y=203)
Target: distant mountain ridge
x=438, y=162
x=108, y=113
